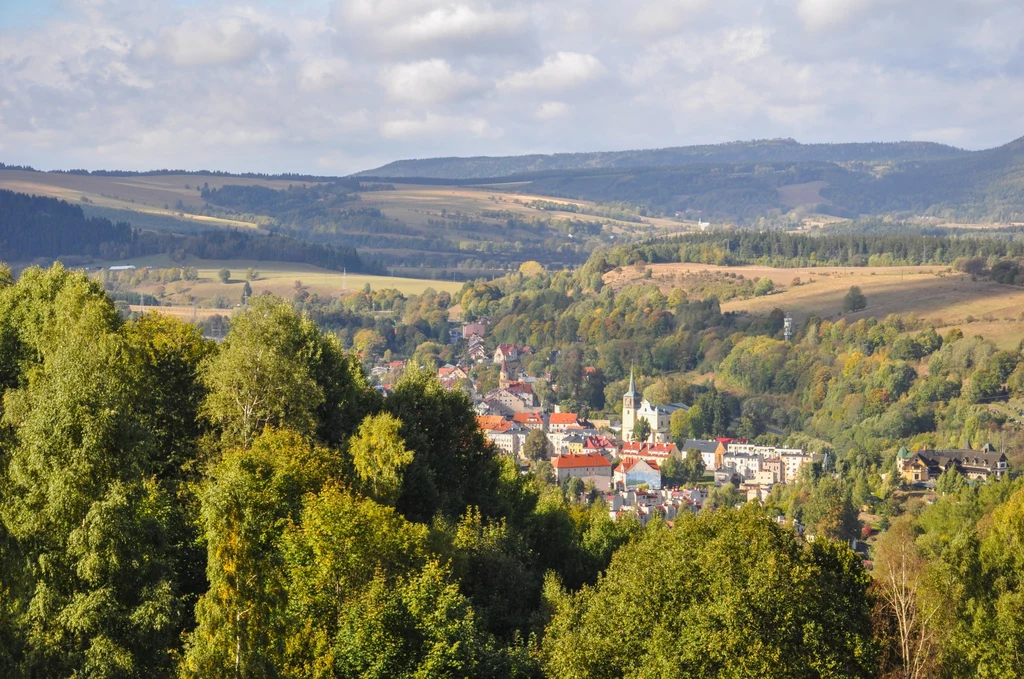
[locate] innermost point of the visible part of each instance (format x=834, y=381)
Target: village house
x=634, y=472
x=924, y=465
x=655, y=452
x=477, y=353
x=506, y=435
x=505, y=352
x=515, y=397
x=451, y=376
x=530, y=420
x=592, y=468
x=744, y=464
x=711, y=452
x=473, y=329
x=598, y=443
x=666, y=504
x=634, y=409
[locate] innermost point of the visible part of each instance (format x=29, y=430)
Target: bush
x=854, y=300
x=224, y=275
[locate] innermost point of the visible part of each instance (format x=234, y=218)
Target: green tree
x=854, y=300
x=693, y=466
x=763, y=287
x=380, y=457
x=536, y=445
x=804, y=609
x=246, y=292
x=641, y=430
x=95, y=580
x=250, y=497
x=679, y=426
x=224, y=275
x=453, y=466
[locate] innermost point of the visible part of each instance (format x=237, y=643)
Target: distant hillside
x=35, y=227
x=982, y=186
x=768, y=150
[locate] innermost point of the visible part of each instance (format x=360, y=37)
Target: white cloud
x=321, y=73
x=305, y=86
x=550, y=110
x=559, y=71
x=818, y=15
x=426, y=82
x=431, y=124
x=230, y=40
x=395, y=26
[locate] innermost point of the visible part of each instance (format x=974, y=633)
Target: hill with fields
x=758, y=151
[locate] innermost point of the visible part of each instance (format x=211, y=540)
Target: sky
x=337, y=86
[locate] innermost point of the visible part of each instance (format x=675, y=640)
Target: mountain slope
x=769, y=150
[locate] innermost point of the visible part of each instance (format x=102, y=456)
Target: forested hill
x=767, y=150
x=34, y=227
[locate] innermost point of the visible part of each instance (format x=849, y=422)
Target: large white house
x=634, y=409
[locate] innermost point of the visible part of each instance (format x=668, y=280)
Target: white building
x=634, y=409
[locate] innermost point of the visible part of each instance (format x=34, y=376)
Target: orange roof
x=577, y=461
x=630, y=462
x=563, y=418
x=492, y=422
x=528, y=418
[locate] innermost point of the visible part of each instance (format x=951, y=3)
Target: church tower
x=504, y=378
x=630, y=401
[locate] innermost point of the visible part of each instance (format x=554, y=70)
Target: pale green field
x=277, y=278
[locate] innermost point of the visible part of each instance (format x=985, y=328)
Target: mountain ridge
x=758, y=150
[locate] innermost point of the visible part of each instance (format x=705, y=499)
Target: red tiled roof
x=493, y=422
x=528, y=418
x=648, y=449
x=578, y=461
x=630, y=462
x=563, y=418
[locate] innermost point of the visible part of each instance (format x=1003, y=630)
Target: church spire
x=632, y=383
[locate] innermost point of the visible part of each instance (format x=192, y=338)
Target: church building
x=635, y=409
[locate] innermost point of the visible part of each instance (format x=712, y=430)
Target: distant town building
x=634, y=472
x=924, y=465
x=591, y=467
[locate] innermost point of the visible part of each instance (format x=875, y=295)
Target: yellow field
x=930, y=292
x=277, y=278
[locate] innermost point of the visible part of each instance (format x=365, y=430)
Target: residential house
x=655, y=452
x=973, y=464
x=598, y=443
x=530, y=420
x=506, y=352
x=478, y=353
x=634, y=472
x=470, y=329
x=516, y=397
x=506, y=435
x=793, y=463
x=744, y=464
x=710, y=451
x=590, y=467
x=451, y=376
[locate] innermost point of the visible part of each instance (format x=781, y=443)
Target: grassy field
x=151, y=194
x=414, y=204
x=932, y=293
x=278, y=278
